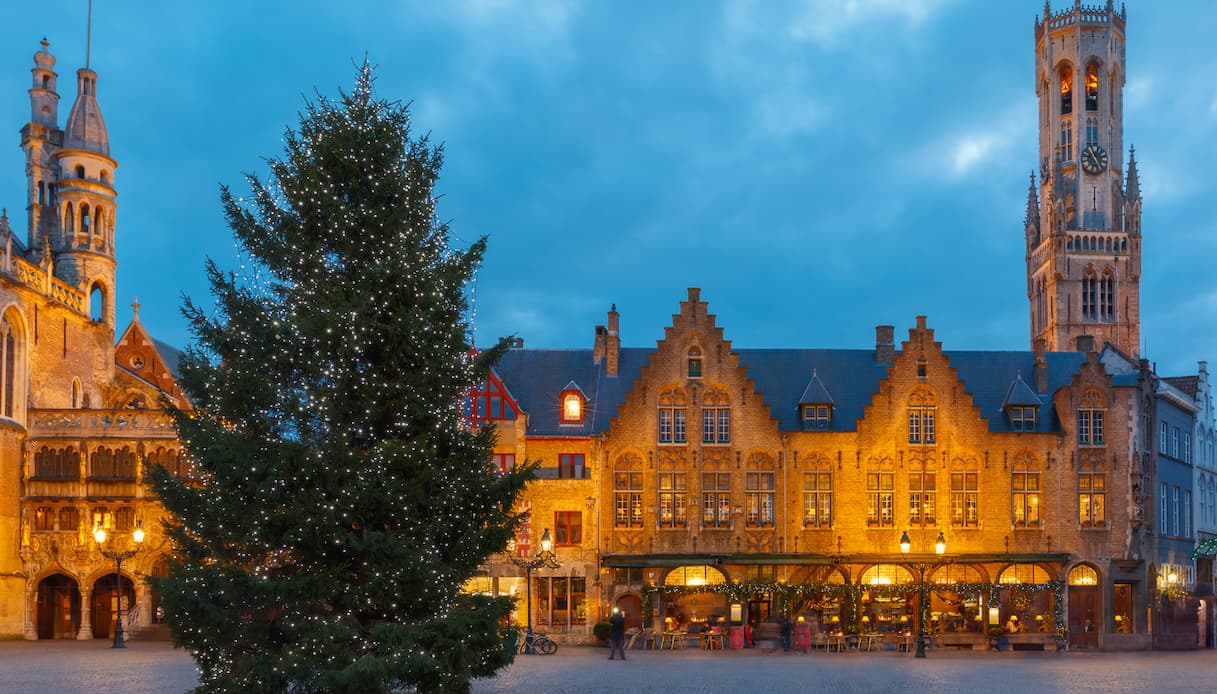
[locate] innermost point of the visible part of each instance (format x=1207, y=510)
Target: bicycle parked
x=535, y=643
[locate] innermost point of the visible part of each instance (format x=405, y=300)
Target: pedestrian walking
x=617, y=634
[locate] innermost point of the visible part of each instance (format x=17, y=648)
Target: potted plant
x=998, y=639
x=601, y=630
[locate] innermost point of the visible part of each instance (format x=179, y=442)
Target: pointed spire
x=1132, y=191
x=135, y=308
x=1033, y=205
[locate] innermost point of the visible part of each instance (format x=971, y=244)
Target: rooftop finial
x=88, y=35
x=135, y=308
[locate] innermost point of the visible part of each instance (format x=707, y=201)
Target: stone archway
x=57, y=607
x=104, y=604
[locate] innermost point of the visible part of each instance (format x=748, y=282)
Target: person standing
x=617, y=634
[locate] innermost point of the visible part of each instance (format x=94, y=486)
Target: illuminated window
x=817, y=492
x=758, y=492
x=1092, y=87
x=627, y=492
x=880, y=497
x=1066, y=81
x=965, y=498
x=923, y=494
x=572, y=407
x=44, y=518
x=921, y=417
x=1025, y=491
x=1092, y=490
x=716, y=499
x=673, y=500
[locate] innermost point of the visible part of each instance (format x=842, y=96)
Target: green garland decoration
x=1205, y=548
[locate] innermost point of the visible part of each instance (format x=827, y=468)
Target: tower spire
x=1033, y=205
x=1132, y=191
x=89, y=35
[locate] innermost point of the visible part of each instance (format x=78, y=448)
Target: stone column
x=29, y=628
x=85, y=632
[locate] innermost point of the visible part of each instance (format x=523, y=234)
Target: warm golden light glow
x=572, y=408
x=138, y=534
x=547, y=543
x=905, y=543
x=940, y=545
x=99, y=533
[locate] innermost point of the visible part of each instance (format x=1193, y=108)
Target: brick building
x=696, y=483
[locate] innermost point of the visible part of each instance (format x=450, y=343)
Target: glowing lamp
x=138, y=534
x=547, y=543
x=940, y=545
x=905, y=543
x=99, y=533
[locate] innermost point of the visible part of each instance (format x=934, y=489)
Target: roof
x=536, y=377
x=1187, y=384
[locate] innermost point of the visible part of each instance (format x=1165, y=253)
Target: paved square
x=156, y=668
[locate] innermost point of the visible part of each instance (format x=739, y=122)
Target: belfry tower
x=71, y=198
x=1084, y=226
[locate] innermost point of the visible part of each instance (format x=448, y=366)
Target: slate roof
x=1021, y=395
x=815, y=393
x=170, y=354
x=537, y=376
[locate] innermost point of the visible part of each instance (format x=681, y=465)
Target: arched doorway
x=57, y=608
x=1083, y=607
x=104, y=604
x=631, y=607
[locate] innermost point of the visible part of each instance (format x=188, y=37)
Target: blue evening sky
x=816, y=167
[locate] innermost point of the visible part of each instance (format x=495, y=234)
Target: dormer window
x=694, y=362
x=572, y=407
x=1022, y=418
x=817, y=417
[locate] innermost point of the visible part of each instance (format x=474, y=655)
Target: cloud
x=962, y=151
x=827, y=22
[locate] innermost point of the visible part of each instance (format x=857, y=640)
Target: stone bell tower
x=1083, y=224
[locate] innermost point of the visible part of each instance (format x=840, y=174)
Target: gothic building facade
x=78, y=417
x=698, y=484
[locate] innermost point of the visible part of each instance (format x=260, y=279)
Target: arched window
x=673, y=427
x=694, y=362
x=1090, y=292
x=716, y=417
x=627, y=491
x=69, y=220
x=84, y=217
x=886, y=575
x=1066, y=81
x=1107, y=296
x=1066, y=148
x=97, y=303
x=921, y=411
x=817, y=491
x=1083, y=575
x=1024, y=573
x=125, y=463
x=923, y=491
x=99, y=213
x=1092, y=87
x=758, y=491
x=1025, y=491
x=12, y=367
x=75, y=393
x=41, y=193
x=80, y=171
x=104, y=464
x=105, y=176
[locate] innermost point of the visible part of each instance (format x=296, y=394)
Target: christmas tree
x=340, y=503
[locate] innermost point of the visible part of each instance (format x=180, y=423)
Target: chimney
x=885, y=345
x=1041, y=365
x=1085, y=343
x=598, y=345
x=612, y=342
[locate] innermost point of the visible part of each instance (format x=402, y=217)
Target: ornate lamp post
x=544, y=558
x=99, y=534
x=940, y=548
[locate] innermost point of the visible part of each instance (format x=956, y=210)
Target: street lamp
x=940, y=548
x=544, y=558
x=99, y=534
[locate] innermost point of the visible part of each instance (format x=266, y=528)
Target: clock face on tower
x=1094, y=158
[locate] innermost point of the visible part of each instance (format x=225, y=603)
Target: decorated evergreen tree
x=340, y=501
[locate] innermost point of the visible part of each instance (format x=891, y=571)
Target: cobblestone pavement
x=28, y=667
